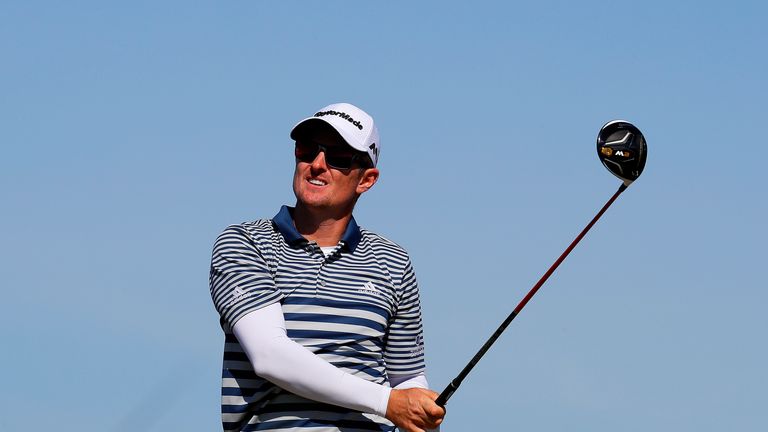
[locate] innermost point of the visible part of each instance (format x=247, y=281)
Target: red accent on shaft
x=442, y=399
x=567, y=251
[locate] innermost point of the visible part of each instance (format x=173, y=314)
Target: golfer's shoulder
x=255, y=231
x=384, y=247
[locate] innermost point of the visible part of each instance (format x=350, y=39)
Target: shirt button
x=321, y=282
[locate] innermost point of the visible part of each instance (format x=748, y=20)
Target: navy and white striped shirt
x=357, y=308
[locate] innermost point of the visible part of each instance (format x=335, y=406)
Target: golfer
x=321, y=317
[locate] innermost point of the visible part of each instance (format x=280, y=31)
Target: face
x=318, y=186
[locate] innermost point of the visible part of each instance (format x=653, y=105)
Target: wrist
x=386, y=393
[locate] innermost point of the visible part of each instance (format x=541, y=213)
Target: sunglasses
x=335, y=157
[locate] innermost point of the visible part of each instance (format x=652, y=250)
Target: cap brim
x=311, y=122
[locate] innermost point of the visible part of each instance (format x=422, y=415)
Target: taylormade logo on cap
x=342, y=115
x=354, y=125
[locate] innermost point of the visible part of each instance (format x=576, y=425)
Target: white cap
x=354, y=125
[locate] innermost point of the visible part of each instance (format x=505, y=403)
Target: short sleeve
x=240, y=279
x=404, y=350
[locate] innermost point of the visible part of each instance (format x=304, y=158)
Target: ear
x=368, y=178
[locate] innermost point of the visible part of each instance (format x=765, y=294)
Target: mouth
x=317, y=182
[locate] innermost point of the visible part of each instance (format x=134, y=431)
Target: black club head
x=622, y=149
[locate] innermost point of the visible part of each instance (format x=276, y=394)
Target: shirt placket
x=318, y=258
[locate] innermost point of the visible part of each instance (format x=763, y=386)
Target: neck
x=324, y=228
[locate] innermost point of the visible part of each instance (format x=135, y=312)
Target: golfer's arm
x=408, y=381
x=289, y=365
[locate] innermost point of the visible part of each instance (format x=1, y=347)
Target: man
x=321, y=318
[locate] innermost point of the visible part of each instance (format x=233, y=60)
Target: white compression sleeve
x=408, y=381
x=282, y=361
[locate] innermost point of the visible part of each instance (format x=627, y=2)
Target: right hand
x=414, y=409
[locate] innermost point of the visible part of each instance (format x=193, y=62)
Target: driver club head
x=622, y=149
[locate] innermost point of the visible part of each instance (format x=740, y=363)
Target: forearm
x=291, y=366
x=408, y=381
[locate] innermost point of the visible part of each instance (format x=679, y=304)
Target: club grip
x=446, y=394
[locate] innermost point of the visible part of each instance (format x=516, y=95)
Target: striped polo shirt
x=357, y=308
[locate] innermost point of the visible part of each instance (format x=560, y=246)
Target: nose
x=319, y=162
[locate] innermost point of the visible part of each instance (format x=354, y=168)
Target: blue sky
x=133, y=133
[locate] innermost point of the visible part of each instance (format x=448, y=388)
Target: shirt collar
x=283, y=220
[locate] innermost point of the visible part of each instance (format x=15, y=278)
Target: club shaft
x=456, y=382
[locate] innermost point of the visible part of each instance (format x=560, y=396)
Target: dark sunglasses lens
x=340, y=161
x=306, y=151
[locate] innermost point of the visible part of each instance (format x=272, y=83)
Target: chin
x=314, y=202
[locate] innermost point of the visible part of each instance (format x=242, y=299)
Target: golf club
x=622, y=149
